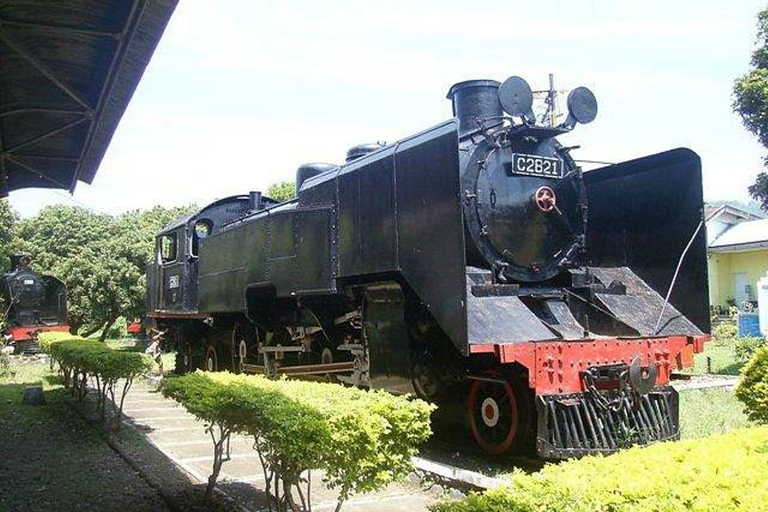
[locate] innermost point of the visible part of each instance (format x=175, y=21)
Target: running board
x=308, y=369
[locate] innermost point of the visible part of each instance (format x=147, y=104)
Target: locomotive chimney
x=254, y=201
x=474, y=100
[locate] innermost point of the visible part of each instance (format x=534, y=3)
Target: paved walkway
x=182, y=439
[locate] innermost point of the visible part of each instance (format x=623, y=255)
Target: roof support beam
x=137, y=9
x=35, y=171
x=41, y=110
x=64, y=29
x=46, y=157
x=44, y=136
x=3, y=170
x=50, y=75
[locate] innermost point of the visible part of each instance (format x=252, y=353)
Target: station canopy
x=68, y=69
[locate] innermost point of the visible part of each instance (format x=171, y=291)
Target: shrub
x=46, y=339
x=725, y=333
x=719, y=473
x=746, y=347
x=80, y=359
x=5, y=366
x=753, y=388
x=361, y=440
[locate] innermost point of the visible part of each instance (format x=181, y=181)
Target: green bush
x=746, y=347
x=715, y=474
x=753, y=388
x=725, y=333
x=361, y=440
x=81, y=359
x=5, y=366
x=46, y=339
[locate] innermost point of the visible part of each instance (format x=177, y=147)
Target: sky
x=239, y=93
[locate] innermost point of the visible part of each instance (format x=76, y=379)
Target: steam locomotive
x=33, y=303
x=474, y=265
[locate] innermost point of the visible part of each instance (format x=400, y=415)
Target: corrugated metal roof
x=711, y=211
x=753, y=232
x=68, y=70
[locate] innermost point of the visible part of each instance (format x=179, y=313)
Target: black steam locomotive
x=473, y=264
x=33, y=303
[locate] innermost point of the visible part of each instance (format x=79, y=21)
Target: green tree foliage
x=282, y=191
x=101, y=258
x=8, y=243
x=750, y=101
x=714, y=474
x=753, y=388
x=8, y=221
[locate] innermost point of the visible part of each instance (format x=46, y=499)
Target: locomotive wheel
x=496, y=415
x=211, y=359
x=184, y=359
x=244, y=346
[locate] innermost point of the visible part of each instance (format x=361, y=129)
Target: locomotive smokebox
x=475, y=100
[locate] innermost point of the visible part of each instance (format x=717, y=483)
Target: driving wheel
x=494, y=415
x=211, y=359
x=184, y=358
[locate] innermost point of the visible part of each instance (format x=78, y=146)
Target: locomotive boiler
x=473, y=264
x=32, y=303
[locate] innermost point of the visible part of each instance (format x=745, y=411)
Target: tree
x=101, y=258
x=8, y=220
x=8, y=242
x=282, y=191
x=750, y=101
x=65, y=241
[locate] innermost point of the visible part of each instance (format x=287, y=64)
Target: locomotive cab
x=172, y=275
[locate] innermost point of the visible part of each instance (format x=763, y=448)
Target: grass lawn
x=52, y=459
x=723, y=360
x=705, y=412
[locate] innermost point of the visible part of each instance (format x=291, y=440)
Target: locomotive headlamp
x=582, y=106
x=516, y=97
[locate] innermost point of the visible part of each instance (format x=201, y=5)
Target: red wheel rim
x=493, y=417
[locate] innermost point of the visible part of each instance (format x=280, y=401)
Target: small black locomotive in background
x=33, y=303
x=473, y=264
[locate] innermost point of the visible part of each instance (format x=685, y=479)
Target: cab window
x=168, y=248
x=201, y=230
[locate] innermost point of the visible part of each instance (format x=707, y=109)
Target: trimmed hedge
x=718, y=474
x=753, y=388
x=80, y=359
x=46, y=339
x=360, y=440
